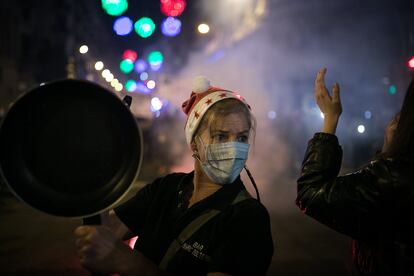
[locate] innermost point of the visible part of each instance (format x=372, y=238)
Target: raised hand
x=330, y=106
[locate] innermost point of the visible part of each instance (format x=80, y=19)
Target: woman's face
x=230, y=128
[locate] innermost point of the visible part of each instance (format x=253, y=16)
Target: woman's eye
x=243, y=139
x=220, y=137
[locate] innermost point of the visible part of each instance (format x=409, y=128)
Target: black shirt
x=237, y=241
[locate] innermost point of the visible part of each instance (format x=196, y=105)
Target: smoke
x=272, y=62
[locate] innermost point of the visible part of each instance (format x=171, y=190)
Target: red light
x=132, y=242
x=129, y=54
x=172, y=7
x=411, y=63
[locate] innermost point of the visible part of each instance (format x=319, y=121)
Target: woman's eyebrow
x=226, y=131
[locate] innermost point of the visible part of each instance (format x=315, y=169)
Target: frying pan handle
x=93, y=220
x=127, y=100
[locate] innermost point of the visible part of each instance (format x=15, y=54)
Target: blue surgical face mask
x=223, y=162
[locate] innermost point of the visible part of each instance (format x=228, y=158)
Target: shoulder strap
x=192, y=227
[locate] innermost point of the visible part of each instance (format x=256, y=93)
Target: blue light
x=141, y=87
x=271, y=115
x=140, y=65
x=171, y=26
x=143, y=76
x=156, y=66
x=123, y=26
x=156, y=104
x=368, y=114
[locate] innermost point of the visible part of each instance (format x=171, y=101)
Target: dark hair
x=222, y=109
x=402, y=144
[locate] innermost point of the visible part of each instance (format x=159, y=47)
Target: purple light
x=156, y=66
x=171, y=26
x=141, y=87
x=140, y=66
x=123, y=26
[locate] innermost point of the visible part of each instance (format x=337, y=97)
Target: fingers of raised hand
x=320, y=78
x=335, y=93
x=320, y=89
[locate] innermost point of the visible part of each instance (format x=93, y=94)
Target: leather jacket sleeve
x=351, y=204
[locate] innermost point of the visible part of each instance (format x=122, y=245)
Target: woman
x=372, y=205
x=198, y=223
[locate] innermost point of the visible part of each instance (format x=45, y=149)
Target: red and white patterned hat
x=202, y=97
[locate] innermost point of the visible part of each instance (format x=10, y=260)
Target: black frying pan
x=70, y=148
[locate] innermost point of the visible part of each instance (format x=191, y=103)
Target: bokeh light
x=129, y=54
x=105, y=73
x=114, y=82
x=173, y=7
x=392, y=89
x=126, y=66
x=171, y=26
x=271, y=115
x=203, y=28
x=361, y=129
x=131, y=85
x=143, y=76
x=115, y=7
x=140, y=65
x=123, y=26
x=411, y=63
x=83, y=49
x=99, y=65
x=155, y=57
x=151, y=84
x=119, y=87
x=144, y=27
x=156, y=66
x=141, y=87
x=156, y=104
x=109, y=77
x=367, y=114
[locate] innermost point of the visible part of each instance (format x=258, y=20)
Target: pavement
x=34, y=243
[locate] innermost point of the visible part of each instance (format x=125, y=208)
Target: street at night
x=308, y=101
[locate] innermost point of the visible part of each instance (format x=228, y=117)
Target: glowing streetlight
x=361, y=128
x=203, y=28
x=119, y=87
x=156, y=104
x=114, y=82
x=99, y=65
x=105, y=73
x=83, y=49
x=151, y=84
x=109, y=77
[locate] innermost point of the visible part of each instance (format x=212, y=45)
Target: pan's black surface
x=69, y=148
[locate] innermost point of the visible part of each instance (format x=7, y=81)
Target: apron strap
x=192, y=227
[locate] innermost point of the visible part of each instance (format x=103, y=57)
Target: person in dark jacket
x=198, y=223
x=373, y=205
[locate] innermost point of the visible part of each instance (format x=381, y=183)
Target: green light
x=392, y=89
x=144, y=27
x=155, y=57
x=126, y=66
x=115, y=7
x=130, y=85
